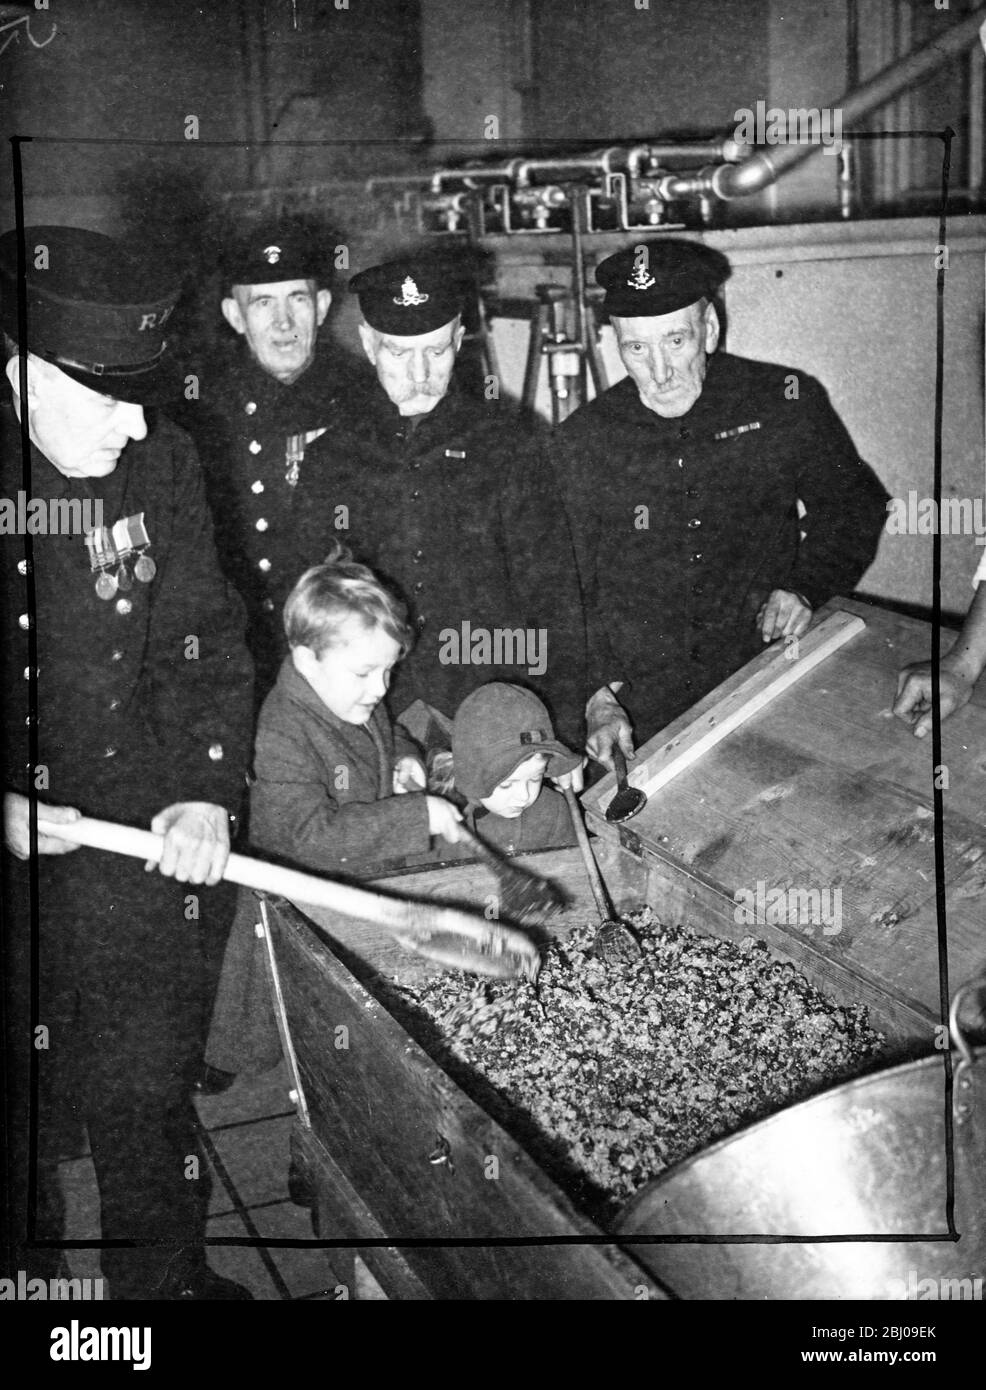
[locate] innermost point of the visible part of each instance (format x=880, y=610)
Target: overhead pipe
x=728, y=175
x=729, y=181
x=655, y=152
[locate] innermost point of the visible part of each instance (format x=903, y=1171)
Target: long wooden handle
x=412, y=920
x=603, y=904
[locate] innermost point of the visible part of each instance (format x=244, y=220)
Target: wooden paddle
x=444, y=934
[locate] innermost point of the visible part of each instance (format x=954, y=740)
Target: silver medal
x=145, y=569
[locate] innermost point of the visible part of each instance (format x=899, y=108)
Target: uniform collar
x=455, y=412
x=304, y=402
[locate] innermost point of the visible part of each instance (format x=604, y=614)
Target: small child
x=328, y=766
x=327, y=759
x=503, y=746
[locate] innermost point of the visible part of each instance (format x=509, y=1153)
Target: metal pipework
x=475, y=174
x=653, y=153
x=568, y=167
x=729, y=181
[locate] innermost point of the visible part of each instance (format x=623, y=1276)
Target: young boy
x=328, y=765
x=503, y=746
x=327, y=760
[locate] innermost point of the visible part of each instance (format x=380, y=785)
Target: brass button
x=268, y=605
x=216, y=752
x=123, y=606
x=117, y=655
x=251, y=407
x=262, y=523
x=22, y=567
x=695, y=521
x=257, y=487
x=263, y=566
x=254, y=446
x=25, y=621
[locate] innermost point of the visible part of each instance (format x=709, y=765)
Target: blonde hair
x=327, y=595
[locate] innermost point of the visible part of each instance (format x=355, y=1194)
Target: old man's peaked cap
x=659, y=277
x=94, y=307
x=410, y=296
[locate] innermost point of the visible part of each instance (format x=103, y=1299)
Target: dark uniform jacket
x=460, y=510
x=144, y=700
x=254, y=435
x=684, y=526
x=324, y=796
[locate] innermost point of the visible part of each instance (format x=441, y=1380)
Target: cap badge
x=272, y=254
x=640, y=280
x=409, y=296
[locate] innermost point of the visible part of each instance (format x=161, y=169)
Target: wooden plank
x=381, y=1106
x=762, y=681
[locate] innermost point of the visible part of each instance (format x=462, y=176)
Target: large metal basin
x=866, y=1160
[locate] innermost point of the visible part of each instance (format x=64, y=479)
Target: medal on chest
x=294, y=454
x=110, y=549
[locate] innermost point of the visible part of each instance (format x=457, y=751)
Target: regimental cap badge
x=409, y=296
x=660, y=277
x=272, y=254
x=640, y=280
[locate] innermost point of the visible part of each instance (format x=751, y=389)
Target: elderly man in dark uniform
x=450, y=496
x=258, y=422
x=683, y=483
x=127, y=696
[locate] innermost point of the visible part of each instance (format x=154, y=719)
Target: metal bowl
x=865, y=1163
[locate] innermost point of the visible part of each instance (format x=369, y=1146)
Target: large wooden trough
x=819, y=790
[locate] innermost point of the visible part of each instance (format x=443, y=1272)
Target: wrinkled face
x=520, y=790
x=415, y=372
x=280, y=322
x=79, y=431
x=667, y=356
x=351, y=676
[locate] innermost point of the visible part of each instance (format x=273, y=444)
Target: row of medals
x=109, y=582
